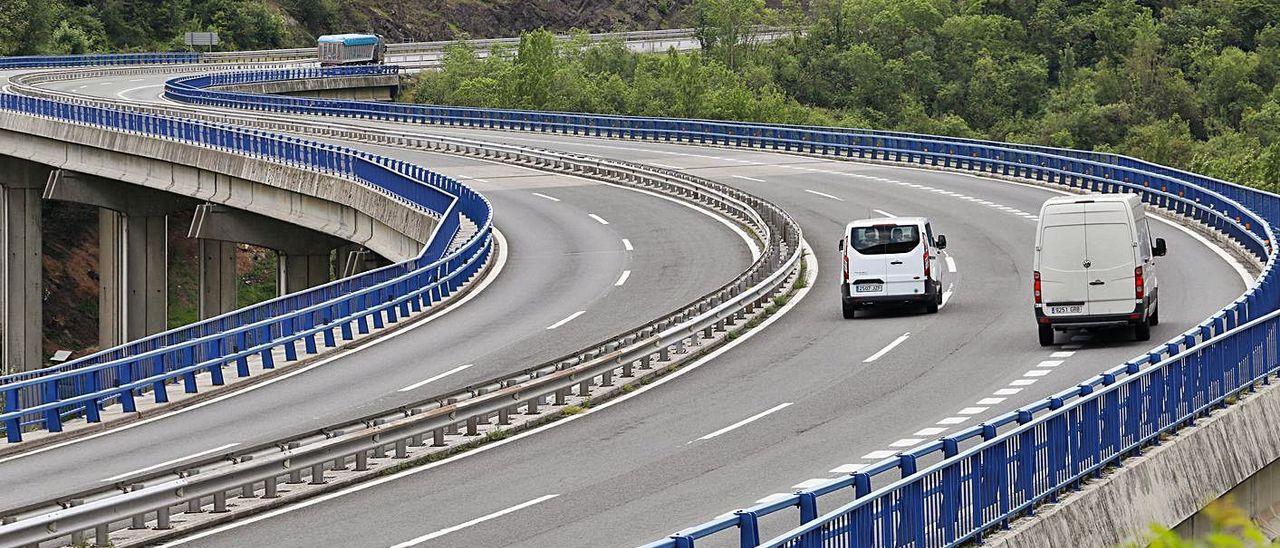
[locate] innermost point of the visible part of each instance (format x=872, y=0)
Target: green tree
x=725, y=28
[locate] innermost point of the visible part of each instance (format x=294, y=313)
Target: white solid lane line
x=886, y=349
x=626, y=244
x=623, y=278
x=663, y=166
x=885, y=213
x=745, y=178
x=541, y=195
x=825, y=195
x=481, y=519
x=800, y=296
x=746, y=421
x=123, y=94
x=484, y=283
x=567, y=320
x=598, y=218
x=951, y=264
x=169, y=462
x=422, y=383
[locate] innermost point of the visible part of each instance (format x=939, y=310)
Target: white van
x=1095, y=265
x=889, y=261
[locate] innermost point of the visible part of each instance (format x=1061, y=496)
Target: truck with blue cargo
x=351, y=49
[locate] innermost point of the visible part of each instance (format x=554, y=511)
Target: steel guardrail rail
x=1214, y=206
x=659, y=338
x=124, y=372
x=1214, y=203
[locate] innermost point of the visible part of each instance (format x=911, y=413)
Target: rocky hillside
x=418, y=20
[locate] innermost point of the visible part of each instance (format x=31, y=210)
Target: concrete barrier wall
x=381, y=87
x=342, y=208
x=1166, y=485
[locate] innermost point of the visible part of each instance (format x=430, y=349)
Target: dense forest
x=1188, y=83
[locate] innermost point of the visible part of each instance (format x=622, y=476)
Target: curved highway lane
x=818, y=405
x=562, y=288
x=812, y=397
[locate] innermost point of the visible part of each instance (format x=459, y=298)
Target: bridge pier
x=218, y=287
x=133, y=252
x=22, y=315
x=304, y=254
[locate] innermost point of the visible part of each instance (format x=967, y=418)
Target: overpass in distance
x=581, y=257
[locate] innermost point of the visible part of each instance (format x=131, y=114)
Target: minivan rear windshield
x=885, y=239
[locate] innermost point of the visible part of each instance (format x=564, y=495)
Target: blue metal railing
x=1050, y=444
x=310, y=319
x=103, y=59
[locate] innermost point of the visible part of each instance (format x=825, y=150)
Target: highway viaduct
x=680, y=483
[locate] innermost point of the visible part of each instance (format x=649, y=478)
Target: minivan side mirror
x=840, y=245
x=1159, y=250
x=941, y=242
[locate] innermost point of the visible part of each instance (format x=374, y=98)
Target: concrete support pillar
x=133, y=253
x=298, y=272
x=217, y=278
x=133, y=295
x=22, y=313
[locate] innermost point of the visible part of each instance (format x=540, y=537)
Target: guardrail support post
x=362, y=461
x=317, y=474
x=270, y=488
x=219, y=503
x=162, y=519
x=437, y=437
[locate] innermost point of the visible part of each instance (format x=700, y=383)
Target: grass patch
x=570, y=410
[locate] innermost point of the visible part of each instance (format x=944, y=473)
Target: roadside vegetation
x=1189, y=83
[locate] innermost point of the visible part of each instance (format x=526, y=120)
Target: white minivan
x=889, y=261
x=1095, y=265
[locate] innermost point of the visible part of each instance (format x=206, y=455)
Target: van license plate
x=1070, y=309
x=868, y=288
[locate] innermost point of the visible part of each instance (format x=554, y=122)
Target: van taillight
x=1036, y=286
x=1139, y=284
x=846, y=265
x=926, y=262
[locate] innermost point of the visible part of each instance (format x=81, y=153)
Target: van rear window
x=885, y=239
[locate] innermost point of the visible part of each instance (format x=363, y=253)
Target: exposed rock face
x=417, y=20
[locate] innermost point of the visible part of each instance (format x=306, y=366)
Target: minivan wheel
x=1142, y=331
x=931, y=307
x=850, y=311
x=1046, y=335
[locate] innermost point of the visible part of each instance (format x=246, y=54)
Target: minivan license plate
x=1069, y=309
x=869, y=288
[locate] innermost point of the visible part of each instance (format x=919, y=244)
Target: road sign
x=201, y=39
